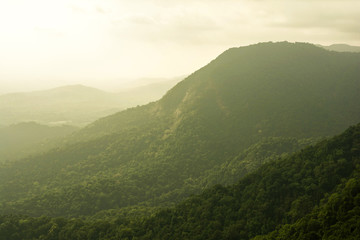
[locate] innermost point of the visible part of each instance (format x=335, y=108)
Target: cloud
x=112, y=38
x=139, y=20
x=100, y=10
x=49, y=32
x=77, y=9
x=233, y=22
x=177, y=26
x=334, y=16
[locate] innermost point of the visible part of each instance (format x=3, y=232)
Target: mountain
x=204, y=131
x=22, y=139
x=341, y=48
x=312, y=194
x=75, y=104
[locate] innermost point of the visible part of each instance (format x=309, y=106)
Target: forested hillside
x=313, y=194
x=245, y=108
x=337, y=217
x=280, y=192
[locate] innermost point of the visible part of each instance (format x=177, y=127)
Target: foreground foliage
x=337, y=217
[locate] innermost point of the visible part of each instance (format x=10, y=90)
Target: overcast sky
x=102, y=43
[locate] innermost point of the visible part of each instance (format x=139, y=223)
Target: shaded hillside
x=20, y=140
x=279, y=192
x=337, y=217
x=158, y=154
x=313, y=194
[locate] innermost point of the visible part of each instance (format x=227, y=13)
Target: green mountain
x=204, y=131
x=313, y=194
x=22, y=139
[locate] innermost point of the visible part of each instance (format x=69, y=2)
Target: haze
x=107, y=43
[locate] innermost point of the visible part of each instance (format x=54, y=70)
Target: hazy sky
x=47, y=43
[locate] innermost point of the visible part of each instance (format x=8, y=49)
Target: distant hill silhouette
x=75, y=104
x=342, y=48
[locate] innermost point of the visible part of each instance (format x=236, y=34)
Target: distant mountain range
x=341, y=48
x=39, y=119
x=249, y=106
x=76, y=104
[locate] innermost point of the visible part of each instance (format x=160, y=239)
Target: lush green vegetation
x=313, y=194
x=279, y=192
x=337, y=217
x=91, y=187
x=213, y=127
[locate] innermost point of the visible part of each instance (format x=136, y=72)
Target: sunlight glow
x=95, y=41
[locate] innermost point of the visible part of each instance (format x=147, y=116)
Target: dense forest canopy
x=313, y=194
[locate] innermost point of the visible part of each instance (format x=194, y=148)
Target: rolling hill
x=76, y=104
